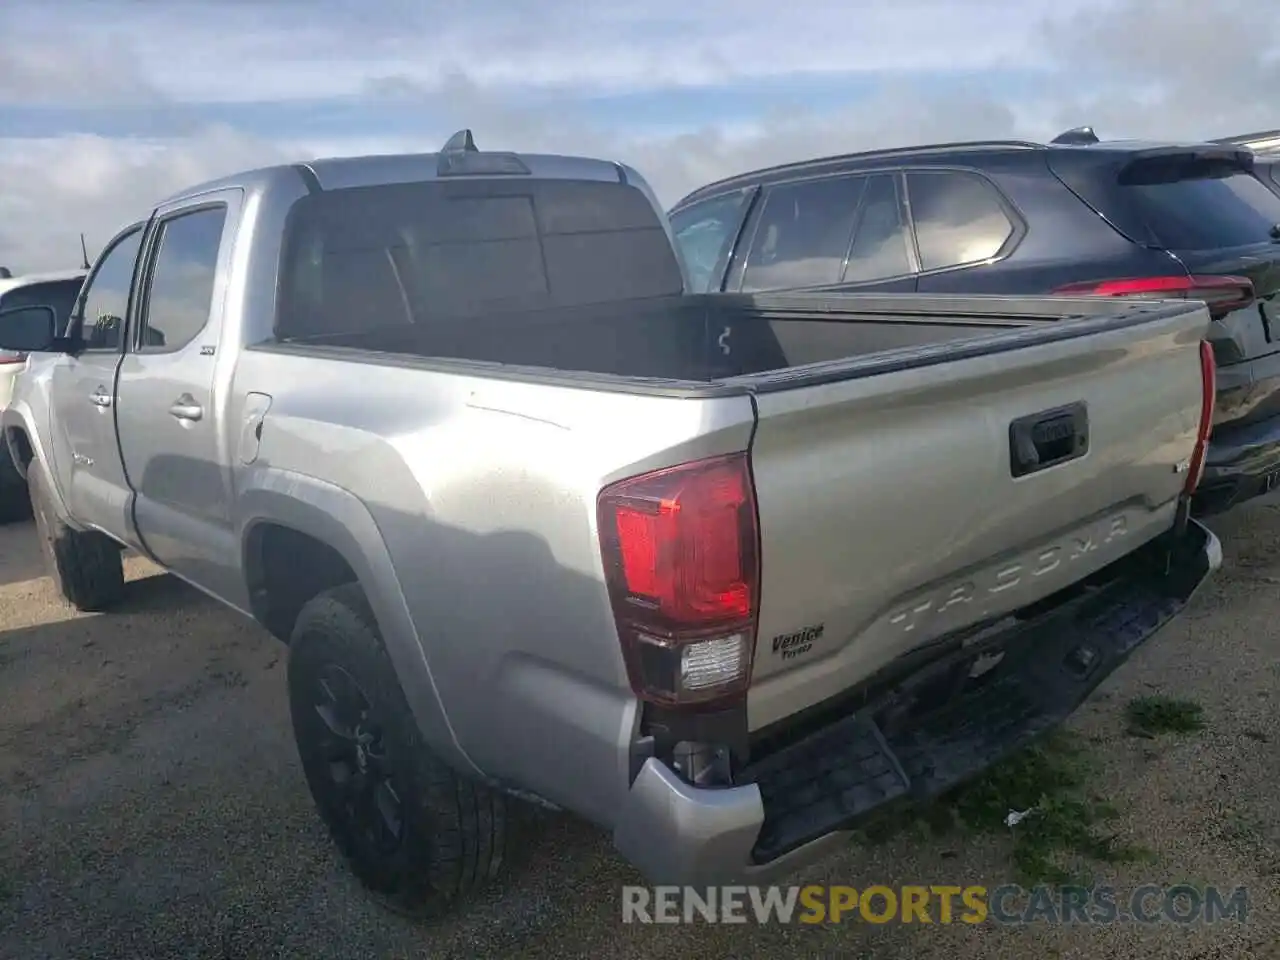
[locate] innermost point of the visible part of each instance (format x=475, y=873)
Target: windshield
x=702, y=232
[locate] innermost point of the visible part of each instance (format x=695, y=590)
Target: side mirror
x=28, y=329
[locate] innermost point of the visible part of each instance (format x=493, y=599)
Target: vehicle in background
x=1266, y=148
x=1262, y=142
x=1075, y=216
x=722, y=574
x=57, y=291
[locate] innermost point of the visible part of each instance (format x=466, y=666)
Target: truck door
x=85, y=458
x=168, y=412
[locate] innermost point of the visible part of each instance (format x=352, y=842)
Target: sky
x=107, y=106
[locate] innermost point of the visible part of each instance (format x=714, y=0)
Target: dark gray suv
x=1076, y=216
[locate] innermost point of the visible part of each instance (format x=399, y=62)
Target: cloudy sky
x=108, y=105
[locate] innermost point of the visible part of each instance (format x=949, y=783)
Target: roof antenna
x=5, y=273
x=1076, y=136
x=84, y=253
x=460, y=142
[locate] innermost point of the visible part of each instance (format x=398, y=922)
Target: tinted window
x=803, y=234
x=1224, y=208
x=413, y=254
x=106, y=295
x=879, y=248
x=180, y=291
x=958, y=218
x=59, y=294
x=702, y=232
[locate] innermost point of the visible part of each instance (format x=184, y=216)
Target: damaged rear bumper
x=801, y=795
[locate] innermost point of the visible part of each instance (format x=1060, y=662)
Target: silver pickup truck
x=720, y=574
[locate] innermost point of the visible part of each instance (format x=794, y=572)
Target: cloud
x=54, y=189
x=332, y=48
x=686, y=93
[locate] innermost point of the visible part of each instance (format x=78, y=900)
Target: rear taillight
x=1208, y=392
x=1221, y=295
x=681, y=560
x=9, y=356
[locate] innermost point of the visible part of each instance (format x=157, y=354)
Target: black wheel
x=15, y=502
x=86, y=566
x=418, y=836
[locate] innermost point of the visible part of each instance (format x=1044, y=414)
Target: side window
x=879, y=249
x=702, y=232
x=803, y=234
x=180, y=287
x=958, y=217
x=104, y=301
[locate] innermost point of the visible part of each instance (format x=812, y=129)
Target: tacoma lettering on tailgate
x=997, y=580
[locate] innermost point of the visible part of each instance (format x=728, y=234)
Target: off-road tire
x=15, y=502
x=453, y=830
x=86, y=566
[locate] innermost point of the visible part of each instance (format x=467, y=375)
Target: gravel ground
x=152, y=805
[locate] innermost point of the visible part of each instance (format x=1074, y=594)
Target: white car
x=59, y=291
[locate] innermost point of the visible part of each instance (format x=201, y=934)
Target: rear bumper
x=799, y=800
x=1240, y=464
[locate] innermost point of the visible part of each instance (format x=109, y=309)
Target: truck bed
x=707, y=338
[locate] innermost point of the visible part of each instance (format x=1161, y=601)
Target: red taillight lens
x=680, y=557
x=1208, y=393
x=9, y=356
x=1221, y=295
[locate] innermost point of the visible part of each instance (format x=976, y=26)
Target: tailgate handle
x=1045, y=439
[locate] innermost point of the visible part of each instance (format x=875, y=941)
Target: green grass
x=1065, y=830
x=1151, y=716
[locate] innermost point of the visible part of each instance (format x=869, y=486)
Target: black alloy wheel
x=362, y=781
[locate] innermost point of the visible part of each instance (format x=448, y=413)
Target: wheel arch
x=287, y=513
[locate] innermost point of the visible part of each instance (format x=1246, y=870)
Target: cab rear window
x=433, y=253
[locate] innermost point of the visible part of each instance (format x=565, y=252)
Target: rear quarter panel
x=483, y=494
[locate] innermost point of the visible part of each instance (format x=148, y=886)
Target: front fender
x=18, y=420
x=13, y=423
x=336, y=517
x=29, y=415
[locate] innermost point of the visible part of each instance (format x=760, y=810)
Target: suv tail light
x=1221, y=295
x=680, y=549
x=10, y=356
x=1208, y=393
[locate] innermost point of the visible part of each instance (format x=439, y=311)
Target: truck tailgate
x=893, y=511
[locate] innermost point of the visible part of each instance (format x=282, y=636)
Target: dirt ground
x=151, y=804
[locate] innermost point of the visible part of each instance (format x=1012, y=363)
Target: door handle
x=186, y=408
x=1048, y=438
x=100, y=398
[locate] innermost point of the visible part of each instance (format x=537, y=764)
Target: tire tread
x=464, y=848
x=86, y=566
